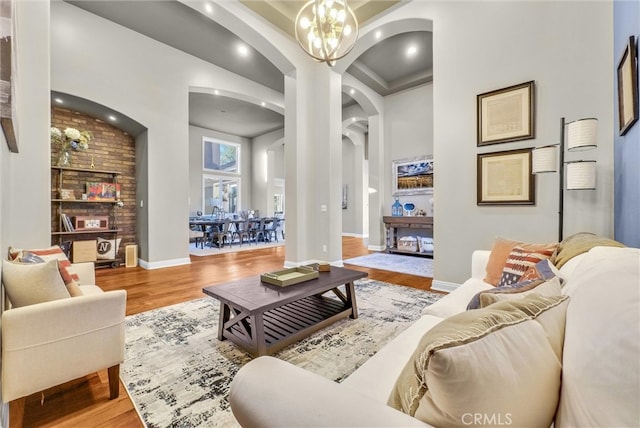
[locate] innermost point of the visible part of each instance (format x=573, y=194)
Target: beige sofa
x=50, y=343
x=600, y=365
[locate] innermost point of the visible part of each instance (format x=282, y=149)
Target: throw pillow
x=51, y=253
x=108, y=248
x=544, y=269
x=578, y=244
x=516, y=291
x=549, y=288
x=501, y=363
x=500, y=252
x=67, y=277
x=521, y=259
x=31, y=283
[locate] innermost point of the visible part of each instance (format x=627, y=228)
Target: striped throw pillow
x=520, y=260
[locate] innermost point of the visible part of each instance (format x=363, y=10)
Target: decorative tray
x=286, y=277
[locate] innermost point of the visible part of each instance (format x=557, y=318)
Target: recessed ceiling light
x=353, y=119
x=352, y=91
x=208, y=7
x=59, y=100
x=243, y=50
x=263, y=104
x=378, y=34
x=112, y=118
x=411, y=51
x=216, y=92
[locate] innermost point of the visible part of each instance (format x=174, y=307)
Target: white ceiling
x=384, y=67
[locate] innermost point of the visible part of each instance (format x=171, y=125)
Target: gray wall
x=566, y=48
x=408, y=126
x=260, y=146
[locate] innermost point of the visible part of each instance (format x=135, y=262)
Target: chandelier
x=326, y=29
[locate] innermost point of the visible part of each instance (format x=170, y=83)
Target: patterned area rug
x=178, y=373
x=412, y=265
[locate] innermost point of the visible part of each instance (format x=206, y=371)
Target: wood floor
x=85, y=402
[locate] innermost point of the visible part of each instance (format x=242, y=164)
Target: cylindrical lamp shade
x=545, y=159
x=581, y=175
x=582, y=134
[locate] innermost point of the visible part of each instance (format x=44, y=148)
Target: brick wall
x=110, y=149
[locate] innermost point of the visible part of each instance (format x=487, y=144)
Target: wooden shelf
x=399, y=226
x=93, y=171
x=86, y=201
x=85, y=232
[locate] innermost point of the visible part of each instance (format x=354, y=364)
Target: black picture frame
x=505, y=178
x=628, y=87
x=506, y=114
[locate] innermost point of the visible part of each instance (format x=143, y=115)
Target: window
x=220, y=156
x=220, y=192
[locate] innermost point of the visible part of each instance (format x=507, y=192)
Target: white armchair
x=50, y=343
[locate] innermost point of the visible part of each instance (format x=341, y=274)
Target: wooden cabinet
x=398, y=227
x=75, y=218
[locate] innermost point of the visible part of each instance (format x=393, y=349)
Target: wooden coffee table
x=262, y=318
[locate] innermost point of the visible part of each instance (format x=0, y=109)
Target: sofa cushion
x=577, y=244
x=484, y=298
x=31, y=283
x=502, y=362
x=500, y=252
x=519, y=261
x=601, y=363
x=457, y=301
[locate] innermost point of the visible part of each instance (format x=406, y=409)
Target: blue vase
x=396, y=208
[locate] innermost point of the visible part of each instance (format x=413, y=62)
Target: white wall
x=408, y=133
x=480, y=46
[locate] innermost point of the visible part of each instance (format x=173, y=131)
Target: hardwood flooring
x=85, y=402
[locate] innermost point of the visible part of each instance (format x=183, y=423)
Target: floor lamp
x=580, y=175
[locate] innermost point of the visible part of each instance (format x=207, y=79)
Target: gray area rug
x=412, y=265
x=178, y=373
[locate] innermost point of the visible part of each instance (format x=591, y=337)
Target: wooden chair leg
x=16, y=412
x=114, y=381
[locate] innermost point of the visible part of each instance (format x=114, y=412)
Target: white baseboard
x=444, y=286
x=163, y=264
x=355, y=235
x=376, y=247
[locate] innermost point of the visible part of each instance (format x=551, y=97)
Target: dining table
x=217, y=223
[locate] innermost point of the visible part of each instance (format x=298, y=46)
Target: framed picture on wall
x=506, y=114
x=628, y=87
x=505, y=178
x=412, y=176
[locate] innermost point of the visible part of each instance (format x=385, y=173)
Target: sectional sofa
x=569, y=357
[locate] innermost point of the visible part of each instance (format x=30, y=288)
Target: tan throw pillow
x=501, y=364
x=578, y=244
x=31, y=283
x=67, y=277
x=551, y=287
x=500, y=252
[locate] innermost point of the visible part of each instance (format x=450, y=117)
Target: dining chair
x=223, y=235
x=241, y=232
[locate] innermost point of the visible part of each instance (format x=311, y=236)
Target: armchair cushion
x=67, y=276
x=31, y=283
